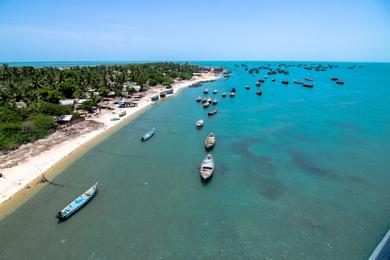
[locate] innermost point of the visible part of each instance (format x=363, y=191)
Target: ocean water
x=300, y=174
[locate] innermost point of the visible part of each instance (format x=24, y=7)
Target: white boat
x=209, y=142
x=122, y=113
x=214, y=102
x=215, y=91
x=207, y=168
x=199, y=123
x=207, y=104
x=206, y=91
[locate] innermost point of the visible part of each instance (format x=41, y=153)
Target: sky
x=188, y=30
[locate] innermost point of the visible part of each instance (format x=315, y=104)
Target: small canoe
x=77, y=204
x=209, y=142
x=233, y=90
x=211, y=113
x=198, y=99
x=205, y=91
x=148, y=134
x=259, y=92
x=207, y=168
x=306, y=85
x=199, y=123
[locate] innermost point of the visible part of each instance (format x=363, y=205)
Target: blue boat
x=155, y=98
x=77, y=204
x=148, y=134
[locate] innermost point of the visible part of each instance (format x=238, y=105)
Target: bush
x=87, y=106
x=50, y=109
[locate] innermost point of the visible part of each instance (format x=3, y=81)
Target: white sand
x=17, y=177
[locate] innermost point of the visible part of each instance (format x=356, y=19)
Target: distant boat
x=233, y=90
x=199, y=123
x=148, y=135
x=209, y=142
x=169, y=91
x=215, y=91
x=155, y=98
x=122, y=113
x=163, y=94
x=247, y=87
x=306, y=85
x=207, y=168
x=285, y=82
x=334, y=79
x=207, y=104
x=232, y=94
x=224, y=94
x=204, y=100
x=213, y=112
x=258, y=84
x=209, y=100
x=309, y=79
x=273, y=80
x=115, y=117
x=340, y=82
x=77, y=204
x=261, y=80
x=298, y=82
x=198, y=99
x=259, y=92
x=205, y=91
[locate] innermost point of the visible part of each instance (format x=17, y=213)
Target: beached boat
x=205, y=91
x=169, y=91
x=155, y=98
x=199, y=123
x=209, y=142
x=224, y=94
x=198, y=99
x=285, y=82
x=307, y=85
x=215, y=91
x=259, y=92
x=340, y=82
x=213, y=112
x=77, y=204
x=163, y=94
x=207, y=168
x=214, y=102
x=115, y=117
x=122, y=113
x=207, y=104
x=309, y=79
x=148, y=134
x=247, y=87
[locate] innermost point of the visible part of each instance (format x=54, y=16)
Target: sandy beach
x=30, y=162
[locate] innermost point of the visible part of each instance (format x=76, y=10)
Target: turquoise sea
x=300, y=174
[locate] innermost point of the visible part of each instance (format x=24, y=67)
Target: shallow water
x=300, y=174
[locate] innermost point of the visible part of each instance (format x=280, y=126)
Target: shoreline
x=27, y=173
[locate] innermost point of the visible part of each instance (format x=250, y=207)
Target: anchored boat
x=148, y=134
x=199, y=123
x=211, y=113
x=209, y=142
x=77, y=204
x=207, y=168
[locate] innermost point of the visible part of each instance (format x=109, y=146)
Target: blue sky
x=342, y=30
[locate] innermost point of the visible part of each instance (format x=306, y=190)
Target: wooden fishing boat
x=205, y=91
x=213, y=112
x=233, y=90
x=148, y=134
x=224, y=94
x=259, y=92
x=122, y=113
x=209, y=142
x=204, y=100
x=198, y=99
x=261, y=80
x=77, y=204
x=207, y=104
x=214, y=102
x=309, y=79
x=163, y=94
x=285, y=82
x=247, y=87
x=334, y=79
x=340, y=82
x=207, y=168
x=273, y=80
x=199, y=123
x=307, y=85
x=232, y=94
x=298, y=82
x=215, y=91
x=258, y=84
